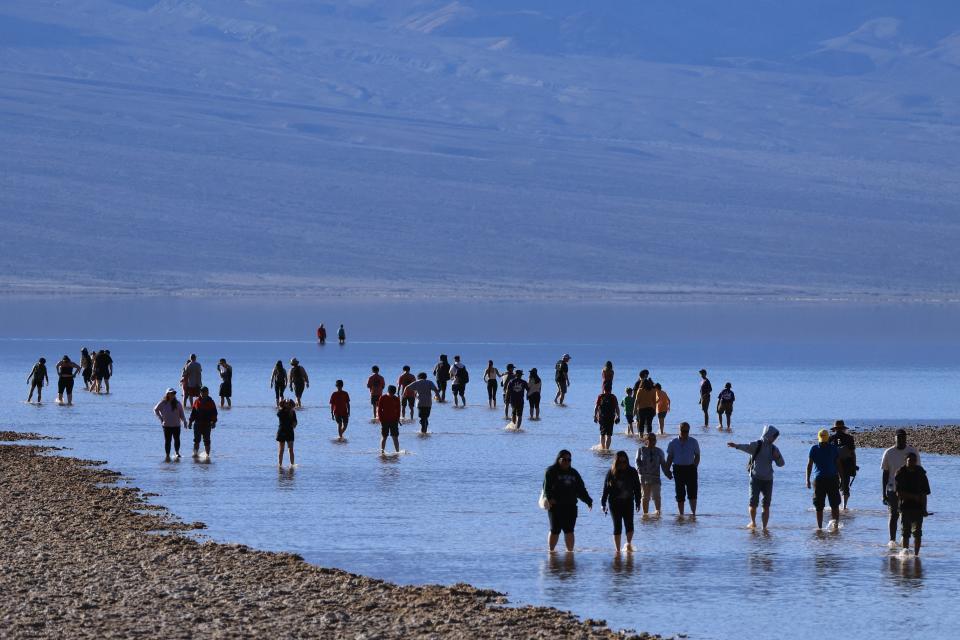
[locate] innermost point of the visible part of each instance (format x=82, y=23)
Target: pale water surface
x=461, y=505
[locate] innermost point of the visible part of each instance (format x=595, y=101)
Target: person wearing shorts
x=407, y=396
x=622, y=489
x=516, y=397
x=562, y=488
x=441, y=374
x=278, y=380
x=606, y=413
x=763, y=455
x=505, y=379
x=37, y=378
x=226, y=383
x=645, y=404
x=725, y=401
x=822, y=461
x=425, y=390
x=388, y=412
x=663, y=406
x=460, y=378
x=912, y=488
x=375, y=384
x=299, y=380
x=891, y=462
x=650, y=462
x=340, y=409
x=683, y=459
x=287, y=423
x=66, y=372
x=192, y=376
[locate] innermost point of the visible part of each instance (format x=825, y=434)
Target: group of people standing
x=830, y=468
x=96, y=370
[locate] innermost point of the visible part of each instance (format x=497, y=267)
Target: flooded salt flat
x=461, y=505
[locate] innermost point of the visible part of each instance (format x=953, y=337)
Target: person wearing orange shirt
x=663, y=405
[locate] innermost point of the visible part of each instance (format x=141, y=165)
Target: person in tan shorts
x=650, y=461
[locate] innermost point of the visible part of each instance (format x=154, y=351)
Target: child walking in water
x=287, y=419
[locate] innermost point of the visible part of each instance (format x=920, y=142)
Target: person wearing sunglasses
x=562, y=488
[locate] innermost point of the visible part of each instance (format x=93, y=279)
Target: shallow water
x=461, y=505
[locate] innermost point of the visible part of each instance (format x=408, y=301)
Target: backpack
x=608, y=407
x=462, y=376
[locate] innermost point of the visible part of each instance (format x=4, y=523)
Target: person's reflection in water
x=906, y=572
x=623, y=566
x=285, y=478
x=562, y=566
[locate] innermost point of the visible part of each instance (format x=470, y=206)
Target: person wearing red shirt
x=340, y=409
x=388, y=410
x=407, y=395
x=375, y=384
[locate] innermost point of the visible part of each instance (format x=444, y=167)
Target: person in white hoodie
x=170, y=413
x=763, y=455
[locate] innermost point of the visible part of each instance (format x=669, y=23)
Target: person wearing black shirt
x=847, y=463
x=562, y=488
x=441, y=373
x=912, y=491
x=621, y=490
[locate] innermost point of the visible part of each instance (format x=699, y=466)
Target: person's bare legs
x=568, y=540
x=835, y=514
x=656, y=504
x=552, y=540
x=753, y=517
x=396, y=443
x=69, y=397
x=661, y=419
x=645, y=504
x=728, y=422
x=680, y=507
x=280, y=459
x=629, y=540
x=290, y=449
x=616, y=541
x=693, y=507
x=720, y=420
x=765, y=517
x=819, y=518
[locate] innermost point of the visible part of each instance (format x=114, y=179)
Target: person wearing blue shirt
x=826, y=479
x=683, y=453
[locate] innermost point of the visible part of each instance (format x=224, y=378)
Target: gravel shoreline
x=927, y=439
x=85, y=558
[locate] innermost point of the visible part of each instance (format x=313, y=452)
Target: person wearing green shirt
x=627, y=404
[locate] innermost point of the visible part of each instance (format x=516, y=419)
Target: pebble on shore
x=927, y=439
x=84, y=558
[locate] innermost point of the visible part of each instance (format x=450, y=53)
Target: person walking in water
x=725, y=400
x=321, y=336
x=663, y=405
x=650, y=461
x=37, y=378
x=491, y=375
x=848, y=458
x=516, y=397
x=912, y=487
x=299, y=380
x=388, y=412
x=340, y=409
x=375, y=384
x=287, y=423
x=505, y=379
x=441, y=373
x=621, y=489
x=203, y=419
x=407, y=396
x=627, y=404
x=562, y=488
x=763, y=455
x=645, y=403
x=683, y=459
x=706, y=391
x=192, y=380
x=534, y=389
x=425, y=390
x=606, y=379
x=562, y=378
x=102, y=370
x=606, y=413
x=226, y=383
x=86, y=368
x=170, y=413
x=278, y=380
x=826, y=482
x=894, y=458
x=341, y=335
x=66, y=373
x=460, y=377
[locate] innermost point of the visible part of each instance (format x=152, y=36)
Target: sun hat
x=566, y=356
x=838, y=425
x=169, y=391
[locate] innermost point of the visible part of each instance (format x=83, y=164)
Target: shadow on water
x=905, y=572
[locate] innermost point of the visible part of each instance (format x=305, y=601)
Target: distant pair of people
x=296, y=380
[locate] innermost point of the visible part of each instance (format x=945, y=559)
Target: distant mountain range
x=638, y=150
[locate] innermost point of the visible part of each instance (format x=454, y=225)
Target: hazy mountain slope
x=398, y=147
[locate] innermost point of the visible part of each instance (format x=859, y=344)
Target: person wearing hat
x=299, y=380
x=826, y=481
x=562, y=378
x=848, y=458
x=170, y=413
x=36, y=379
x=912, y=491
x=894, y=458
x=203, y=416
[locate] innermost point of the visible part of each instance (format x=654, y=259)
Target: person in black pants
x=621, y=489
x=562, y=488
x=683, y=453
x=170, y=413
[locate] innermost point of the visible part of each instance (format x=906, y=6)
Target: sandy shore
x=940, y=439
x=82, y=558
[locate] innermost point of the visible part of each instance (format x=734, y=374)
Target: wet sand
x=927, y=439
x=86, y=558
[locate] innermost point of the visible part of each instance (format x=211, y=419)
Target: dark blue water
x=461, y=504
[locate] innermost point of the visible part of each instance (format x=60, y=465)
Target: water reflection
x=560, y=565
x=285, y=477
x=905, y=571
x=623, y=564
